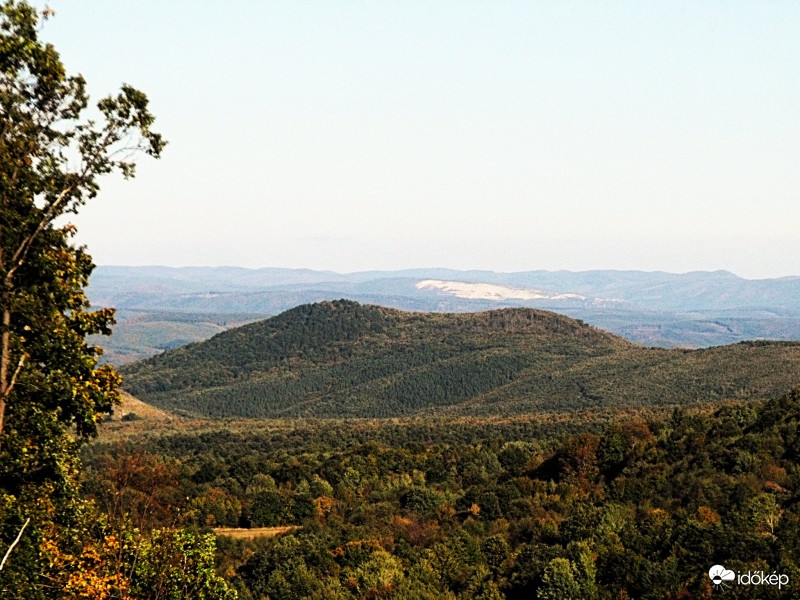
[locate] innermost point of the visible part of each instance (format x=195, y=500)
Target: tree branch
x=13, y=381
x=14, y=543
x=18, y=259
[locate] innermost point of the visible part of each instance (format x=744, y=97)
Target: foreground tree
x=52, y=392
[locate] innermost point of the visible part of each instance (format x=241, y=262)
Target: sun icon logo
x=720, y=576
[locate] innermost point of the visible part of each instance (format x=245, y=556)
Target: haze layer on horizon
x=510, y=137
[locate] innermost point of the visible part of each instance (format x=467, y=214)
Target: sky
x=509, y=136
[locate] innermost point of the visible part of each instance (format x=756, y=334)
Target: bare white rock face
x=489, y=291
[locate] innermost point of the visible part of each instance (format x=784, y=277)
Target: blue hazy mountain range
x=164, y=307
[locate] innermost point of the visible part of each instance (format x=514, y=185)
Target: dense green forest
x=342, y=359
x=464, y=509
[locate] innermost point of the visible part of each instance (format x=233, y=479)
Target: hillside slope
x=342, y=359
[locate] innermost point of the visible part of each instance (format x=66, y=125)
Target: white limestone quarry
x=489, y=291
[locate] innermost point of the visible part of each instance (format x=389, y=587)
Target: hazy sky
x=495, y=135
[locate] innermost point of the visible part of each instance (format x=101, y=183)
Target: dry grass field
x=131, y=405
x=255, y=532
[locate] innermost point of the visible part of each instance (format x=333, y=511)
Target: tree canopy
x=54, y=149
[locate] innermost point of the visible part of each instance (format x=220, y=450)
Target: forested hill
x=342, y=359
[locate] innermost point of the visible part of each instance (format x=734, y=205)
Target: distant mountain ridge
x=341, y=359
x=701, y=290
x=164, y=307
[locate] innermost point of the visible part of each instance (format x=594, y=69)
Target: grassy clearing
x=146, y=412
x=255, y=532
